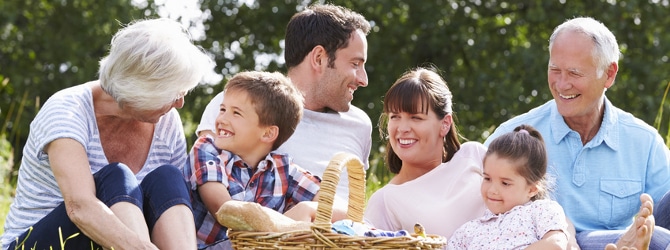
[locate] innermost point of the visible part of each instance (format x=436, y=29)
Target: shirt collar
x=488, y=215
x=266, y=164
x=607, y=134
x=263, y=165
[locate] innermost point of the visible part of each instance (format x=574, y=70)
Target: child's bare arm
x=303, y=211
x=306, y=210
x=555, y=239
x=213, y=195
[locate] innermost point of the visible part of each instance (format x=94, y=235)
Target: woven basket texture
x=320, y=236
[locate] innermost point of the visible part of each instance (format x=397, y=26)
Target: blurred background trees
x=493, y=54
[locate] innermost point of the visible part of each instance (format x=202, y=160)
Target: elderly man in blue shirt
x=602, y=158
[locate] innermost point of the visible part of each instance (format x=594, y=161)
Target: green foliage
x=659, y=117
x=378, y=174
x=6, y=167
x=6, y=194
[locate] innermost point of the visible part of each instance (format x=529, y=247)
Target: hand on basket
x=306, y=211
x=303, y=211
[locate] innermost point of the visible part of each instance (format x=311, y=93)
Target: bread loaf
x=251, y=216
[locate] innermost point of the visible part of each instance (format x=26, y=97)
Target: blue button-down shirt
x=599, y=184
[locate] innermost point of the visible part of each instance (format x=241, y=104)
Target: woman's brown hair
x=419, y=91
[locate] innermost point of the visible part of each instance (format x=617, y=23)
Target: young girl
x=514, y=190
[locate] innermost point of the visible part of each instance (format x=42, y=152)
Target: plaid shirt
x=276, y=183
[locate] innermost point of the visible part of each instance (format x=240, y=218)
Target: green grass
x=6, y=191
x=7, y=154
x=6, y=188
x=659, y=117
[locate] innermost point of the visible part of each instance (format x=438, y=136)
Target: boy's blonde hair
x=276, y=101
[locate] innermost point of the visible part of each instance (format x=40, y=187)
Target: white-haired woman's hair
x=151, y=63
x=606, y=49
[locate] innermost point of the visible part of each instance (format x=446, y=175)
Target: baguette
x=251, y=216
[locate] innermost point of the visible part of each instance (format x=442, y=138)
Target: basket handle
x=331, y=177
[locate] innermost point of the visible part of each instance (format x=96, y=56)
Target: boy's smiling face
x=237, y=125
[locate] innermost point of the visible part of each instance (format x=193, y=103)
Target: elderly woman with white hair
x=102, y=161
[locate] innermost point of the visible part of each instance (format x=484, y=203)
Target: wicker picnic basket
x=320, y=236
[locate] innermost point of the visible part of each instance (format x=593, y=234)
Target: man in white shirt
x=326, y=51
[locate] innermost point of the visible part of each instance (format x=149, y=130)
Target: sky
x=190, y=13
x=173, y=9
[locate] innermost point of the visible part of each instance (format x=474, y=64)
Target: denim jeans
x=662, y=212
x=660, y=238
x=219, y=245
x=161, y=189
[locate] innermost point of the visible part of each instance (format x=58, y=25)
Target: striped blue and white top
x=69, y=114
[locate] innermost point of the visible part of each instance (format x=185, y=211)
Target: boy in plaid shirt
x=259, y=112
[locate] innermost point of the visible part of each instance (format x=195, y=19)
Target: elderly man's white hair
x=606, y=49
